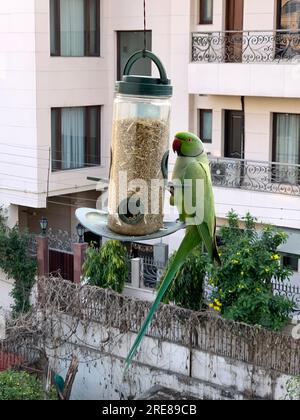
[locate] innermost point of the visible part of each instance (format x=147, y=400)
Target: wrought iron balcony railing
x=246, y=46
x=276, y=178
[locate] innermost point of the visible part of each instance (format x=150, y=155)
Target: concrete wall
x=191, y=372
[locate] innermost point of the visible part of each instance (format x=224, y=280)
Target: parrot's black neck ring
x=182, y=155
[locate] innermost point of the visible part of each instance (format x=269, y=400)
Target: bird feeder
x=140, y=144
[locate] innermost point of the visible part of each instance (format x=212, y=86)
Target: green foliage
x=107, y=267
x=22, y=386
x=293, y=389
x=16, y=263
x=187, y=288
x=243, y=289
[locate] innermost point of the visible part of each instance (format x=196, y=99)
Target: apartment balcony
x=276, y=178
x=269, y=190
x=249, y=63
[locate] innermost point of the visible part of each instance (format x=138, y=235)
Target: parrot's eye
x=190, y=140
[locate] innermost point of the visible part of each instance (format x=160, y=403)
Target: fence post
x=42, y=256
x=79, y=250
x=43, y=265
x=161, y=253
x=160, y=256
x=136, y=266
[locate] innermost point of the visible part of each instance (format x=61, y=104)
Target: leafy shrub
x=16, y=263
x=243, y=284
x=293, y=389
x=22, y=386
x=107, y=267
x=187, y=288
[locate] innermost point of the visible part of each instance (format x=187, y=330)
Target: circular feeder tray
x=96, y=222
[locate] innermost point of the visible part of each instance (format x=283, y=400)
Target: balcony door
x=235, y=25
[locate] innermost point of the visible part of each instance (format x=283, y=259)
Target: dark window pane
x=206, y=12
x=54, y=27
x=54, y=140
x=234, y=135
x=206, y=125
x=94, y=136
x=93, y=14
x=128, y=43
x=291, y=261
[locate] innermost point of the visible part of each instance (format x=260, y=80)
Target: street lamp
x=44, y=225
x=80, y=232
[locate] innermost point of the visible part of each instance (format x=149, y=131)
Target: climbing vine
x=17, y=264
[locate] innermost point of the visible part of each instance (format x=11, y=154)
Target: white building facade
x=235, y=71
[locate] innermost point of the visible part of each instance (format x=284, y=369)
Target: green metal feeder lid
x=144, y=85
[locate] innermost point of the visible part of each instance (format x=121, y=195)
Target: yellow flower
x=275, y=257
x=218, y=303
x=242, y=274
x=216, y=308
x=211, y=305
x=235, y=262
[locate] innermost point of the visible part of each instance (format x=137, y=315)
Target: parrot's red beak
x=176, y=145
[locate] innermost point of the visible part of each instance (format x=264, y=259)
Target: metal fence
x=290, y=292
x=246, y=46
x=61, y=257
x=286, y=290
x=272, y=177
x=147, y=272
x=16, y=354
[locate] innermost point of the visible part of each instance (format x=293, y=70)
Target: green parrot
x=191, y=164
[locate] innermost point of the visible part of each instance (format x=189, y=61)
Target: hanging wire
x=145, y=28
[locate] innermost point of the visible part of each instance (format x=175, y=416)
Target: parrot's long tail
x=190, y=241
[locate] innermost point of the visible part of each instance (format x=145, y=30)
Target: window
x=75, y=137
x=291, y=261
x=288, y=19
x=205, y=125
x=288, y=14
x=206, y=12
x=286, y=146
x=75, y=28
x=128, y=43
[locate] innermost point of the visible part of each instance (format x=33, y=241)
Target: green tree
x=187, y=288
x=22, y=386
x=17, y=264
x=243, y=283
x=107, y=267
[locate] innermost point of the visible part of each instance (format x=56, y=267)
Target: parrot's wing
x=207, y=227
x=190, y=241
